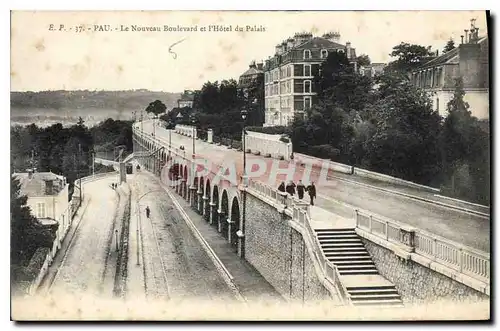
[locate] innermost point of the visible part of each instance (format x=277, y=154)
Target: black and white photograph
x=250, y=165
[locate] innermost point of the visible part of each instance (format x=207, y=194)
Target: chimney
x=252, y=64
x=466, y=35
x=259, y=66
x=348, y=49
x=278, y=49
x=290, y=43
x=462, y=37
x=437, y=52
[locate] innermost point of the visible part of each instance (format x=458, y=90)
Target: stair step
x=343, y=240
x=378, y=287
x=358, y=272
x=349, y=244
x=335, y=234
x=347, y=253
x=334, y=259
x=366, y=292
x=375, y=297
x=341, y=249
x=356, y=262
x=343, y=236
x=378, y=302
x=328, y=230
x=356, y=267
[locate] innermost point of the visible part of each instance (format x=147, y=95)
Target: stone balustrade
x=186, y=130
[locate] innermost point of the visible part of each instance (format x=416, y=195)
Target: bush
x=323, y=151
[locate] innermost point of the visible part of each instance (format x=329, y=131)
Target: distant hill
x=119, y=100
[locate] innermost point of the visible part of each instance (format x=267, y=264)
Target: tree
x=449, y=46
x=21, y=224
x=408, y=56
x=403, y=143
x=156, y=107
x=363, y=60
x=465, y=149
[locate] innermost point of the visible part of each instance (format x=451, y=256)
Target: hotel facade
x=289, y=74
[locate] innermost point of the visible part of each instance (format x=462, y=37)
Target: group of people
x=300, y=188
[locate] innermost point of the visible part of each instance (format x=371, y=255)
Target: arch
x=215, y=201
x=207, y=205
x=185, y=183
x=201, y=188
x=224, y=207
x=194, y=194
x=235, y=223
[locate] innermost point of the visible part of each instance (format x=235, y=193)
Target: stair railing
x=467, y=260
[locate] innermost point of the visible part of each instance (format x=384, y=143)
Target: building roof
x=252, y=71
x=319, y=42
x=446, y=57
x=35, y=186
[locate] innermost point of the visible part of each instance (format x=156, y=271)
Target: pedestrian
x=311, y=189
x=281, y=188
x=290, y=188
x=147, y=211
x=300, y=189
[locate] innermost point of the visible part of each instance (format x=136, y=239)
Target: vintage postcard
x=250, y=165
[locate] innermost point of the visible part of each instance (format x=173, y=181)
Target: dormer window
x=307, y=54
x=324, y=53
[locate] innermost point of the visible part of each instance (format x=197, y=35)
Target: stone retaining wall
x=416, y=283
x=279, y=253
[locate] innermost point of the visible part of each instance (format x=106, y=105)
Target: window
x=307, y=86
x=289, y=71
x=307, y=54
x=307, y=70
x=324, y=53
x=40, y=210
x=307, y=103
x=437, y=104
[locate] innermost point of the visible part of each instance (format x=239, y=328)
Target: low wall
x=416, y=283
x=268, y=144
x=318, y=163
x=279, y=253
x=389, y=179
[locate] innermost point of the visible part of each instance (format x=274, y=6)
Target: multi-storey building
x=289, y=74
x=372, y=70
x=469, y=61
x=186, y=100
x=254, y=72
x=48, y=199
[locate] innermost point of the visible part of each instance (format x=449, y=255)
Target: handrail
x=462, y=258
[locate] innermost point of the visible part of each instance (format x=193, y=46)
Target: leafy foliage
x=156, y=107
x=449, y=46
x=363, y=60
x=408, y=57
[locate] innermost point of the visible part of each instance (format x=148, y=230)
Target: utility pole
x=79, y=175
x=93, y=163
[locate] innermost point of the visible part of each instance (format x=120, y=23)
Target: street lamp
x=244, y=114
x=193, y=122
x=169, y=137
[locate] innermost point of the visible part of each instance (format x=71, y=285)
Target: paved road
x=84, y=270
x=174, y=265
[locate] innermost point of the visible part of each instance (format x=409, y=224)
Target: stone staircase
x=366, y=287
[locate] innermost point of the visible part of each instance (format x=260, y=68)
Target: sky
x=43, y=57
